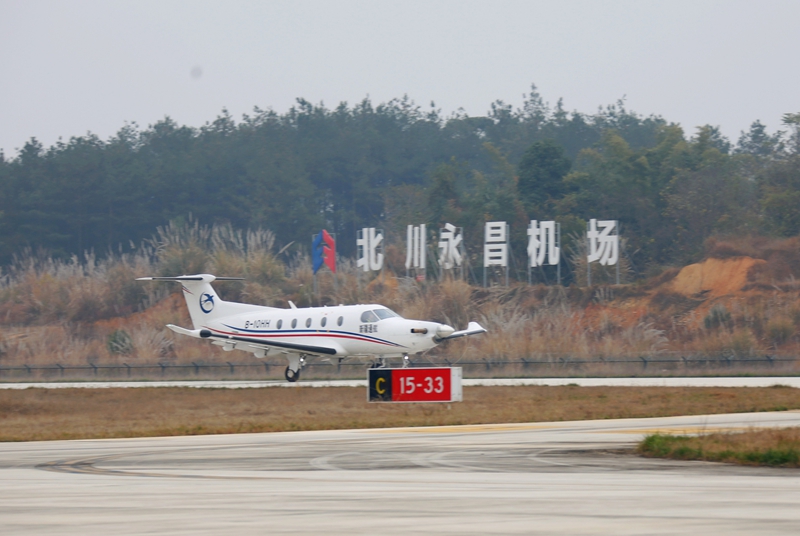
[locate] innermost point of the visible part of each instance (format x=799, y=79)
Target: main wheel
x=291, y=375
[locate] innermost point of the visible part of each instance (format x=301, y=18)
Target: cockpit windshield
x=386, y=313
x=378, y=314
x=369, y=316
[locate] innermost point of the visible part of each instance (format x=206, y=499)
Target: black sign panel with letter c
x=380, y=385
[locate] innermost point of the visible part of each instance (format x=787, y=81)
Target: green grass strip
x=735, y=448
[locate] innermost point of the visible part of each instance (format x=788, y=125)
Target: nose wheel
x=291, y=375
x=378, y=363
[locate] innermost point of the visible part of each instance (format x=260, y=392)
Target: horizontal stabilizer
x=472, y=329
x=203, y=277
x=183, y=331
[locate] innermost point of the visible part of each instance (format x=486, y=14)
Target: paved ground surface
x=544, y=478
x=738, y=381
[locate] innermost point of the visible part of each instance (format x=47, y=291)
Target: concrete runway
x=543, y=478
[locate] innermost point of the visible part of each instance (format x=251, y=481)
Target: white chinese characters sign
x=449, y=247
x=543, y=244
x=603, y=238
x=415, y=247
x=495, y=246
x=370, y=249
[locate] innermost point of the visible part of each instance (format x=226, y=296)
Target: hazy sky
x=68, y=67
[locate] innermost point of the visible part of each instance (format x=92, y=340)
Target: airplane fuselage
x=350, y=330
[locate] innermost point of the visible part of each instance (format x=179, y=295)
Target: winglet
x=292, y=305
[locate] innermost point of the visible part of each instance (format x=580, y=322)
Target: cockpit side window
x=385, y=313
x=369, y=316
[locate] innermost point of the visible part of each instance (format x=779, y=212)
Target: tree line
x=398, y=163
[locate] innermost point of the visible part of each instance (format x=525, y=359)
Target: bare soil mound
x=714, y=277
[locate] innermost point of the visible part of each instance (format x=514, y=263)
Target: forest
x=399, y=163
x=80, y=220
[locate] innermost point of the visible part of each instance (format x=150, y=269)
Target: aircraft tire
x=291, y=375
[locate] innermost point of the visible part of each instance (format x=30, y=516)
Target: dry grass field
x=740, y=305
x=42, y=414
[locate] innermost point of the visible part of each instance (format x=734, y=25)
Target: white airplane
x=328, y=332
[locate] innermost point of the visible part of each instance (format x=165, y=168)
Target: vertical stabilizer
x=202, y=300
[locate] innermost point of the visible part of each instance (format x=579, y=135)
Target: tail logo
x=206, y=303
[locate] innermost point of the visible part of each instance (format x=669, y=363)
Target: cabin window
x=385, y=313
x=308, y=322
x=323, y=321
x=280, y=323
x=294, y=323
x=339, y=321
x=369, y=316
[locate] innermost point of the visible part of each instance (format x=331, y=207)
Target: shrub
x=743, y=343
x=119, y=343
x=780, y=330
x=717, y=316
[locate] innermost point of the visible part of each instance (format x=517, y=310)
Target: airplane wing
x=259, y=343
x=472, y=329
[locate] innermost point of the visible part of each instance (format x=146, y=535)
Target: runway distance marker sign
x=435, y=384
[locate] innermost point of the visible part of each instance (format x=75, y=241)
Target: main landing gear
x=296, y=364
x=291, y=375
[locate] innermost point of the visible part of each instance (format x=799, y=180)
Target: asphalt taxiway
x=666, y=381
x=538, y=478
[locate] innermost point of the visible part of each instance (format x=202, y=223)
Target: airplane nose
x=444, y=330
